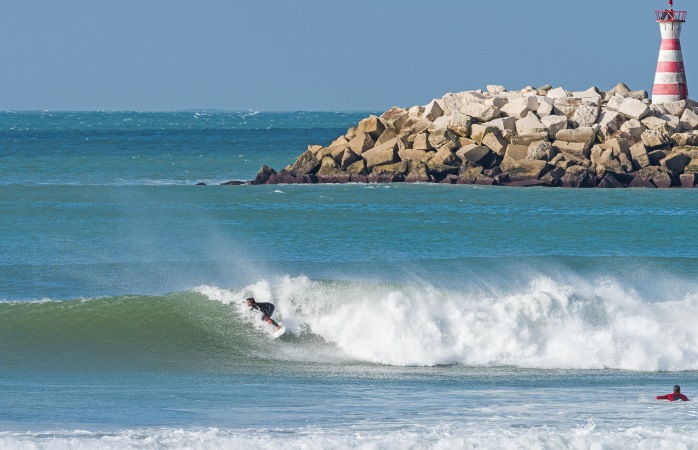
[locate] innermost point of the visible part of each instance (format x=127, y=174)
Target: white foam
x=442, y=437
x=547, y=324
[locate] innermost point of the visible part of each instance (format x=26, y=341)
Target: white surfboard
x=278, y=333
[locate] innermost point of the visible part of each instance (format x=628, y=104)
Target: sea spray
x=546, y=324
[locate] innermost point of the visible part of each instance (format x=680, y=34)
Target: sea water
x=417, y=316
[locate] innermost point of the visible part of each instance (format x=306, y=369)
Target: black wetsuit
x=267, y=310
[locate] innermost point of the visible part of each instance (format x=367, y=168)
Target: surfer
x=676, y=395
x=267, y=310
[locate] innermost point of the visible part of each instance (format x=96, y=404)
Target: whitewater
x=417, y=316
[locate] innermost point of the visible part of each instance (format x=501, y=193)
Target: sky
x=318, y=55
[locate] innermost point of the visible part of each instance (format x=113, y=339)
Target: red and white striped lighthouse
x=670, y=78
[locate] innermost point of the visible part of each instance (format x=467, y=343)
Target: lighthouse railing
x=669, y=15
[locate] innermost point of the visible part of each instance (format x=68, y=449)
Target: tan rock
x=361, y=143
x=371, y=125
x=577, y=149
x=633, y=108
x=683, y=139
x=513, y=154
x=676, y=162
x=633, y=128
x=638, y=156
x=495, y=142
x=676, y=108
x=689, y=120
x=527, y=169
x=545, y=107
x=478, y=132
x=443, y=137
x=380, y=155
x=411, y=154
x=433, y=111
x=527, y=139
x=655, y=138
x=566, y=106
x=541, y=150
x=480, y=111
x=395, y=118
x=443, y=156
x=530, y=124
x=553, y=124
x=421, y=142
x=460, y=124
x=475, y=154
x=584, y=135
x=585, y=115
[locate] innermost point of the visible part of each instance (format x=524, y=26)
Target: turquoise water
x=417, y=315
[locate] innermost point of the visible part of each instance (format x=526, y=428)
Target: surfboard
x=278, y=333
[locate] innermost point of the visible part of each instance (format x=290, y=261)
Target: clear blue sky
x=318, y=54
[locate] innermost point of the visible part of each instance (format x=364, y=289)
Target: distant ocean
x=417, y=316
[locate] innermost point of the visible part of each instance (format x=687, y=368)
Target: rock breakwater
x=531, y=137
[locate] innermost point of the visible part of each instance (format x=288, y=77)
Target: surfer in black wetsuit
x=267, y=310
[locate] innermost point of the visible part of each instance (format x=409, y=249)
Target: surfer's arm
x=663, y=397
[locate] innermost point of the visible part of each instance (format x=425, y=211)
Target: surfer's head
x=677, y=389
x=250, y=301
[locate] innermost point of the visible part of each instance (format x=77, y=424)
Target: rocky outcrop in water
x=531, y=137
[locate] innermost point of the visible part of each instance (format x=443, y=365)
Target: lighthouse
x=670, y=77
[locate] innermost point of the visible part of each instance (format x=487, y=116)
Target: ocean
x=417, y=316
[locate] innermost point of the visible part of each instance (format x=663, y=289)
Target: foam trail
x=547, y=324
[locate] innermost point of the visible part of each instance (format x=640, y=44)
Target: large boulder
x=545, y=107
x=422, y=142
x=503, y=124
x=520, y=107
x=380, y=155
x=577, y=176
x=443, y=156
x=683, y=139
x=556, y=93
x=675, y=108
x=585, y=115
x=361, y=142
x=566, y=106
x=579, y=150
x=460, y=124
x=655, y=138
x=478, y=132
x=265, y=172
x=584, y=135
x=476, y=155
x=443, y=137
x=689, y=120
x=433, y=111
x=633, y=128
x=306, y=163
x=395, y=118
x=656, y=175
x=610, y=123
x=675, y=162
x=527, y=169
x=410, y=154
x=541, y=150
x=633, y=109
x=481, y=112
x=495, y=142
x=417, y=173
x=530, y=125
x=554, y=124
x=371, y=125
x=513, y=155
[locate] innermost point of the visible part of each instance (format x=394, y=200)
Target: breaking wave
x=546, y=324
